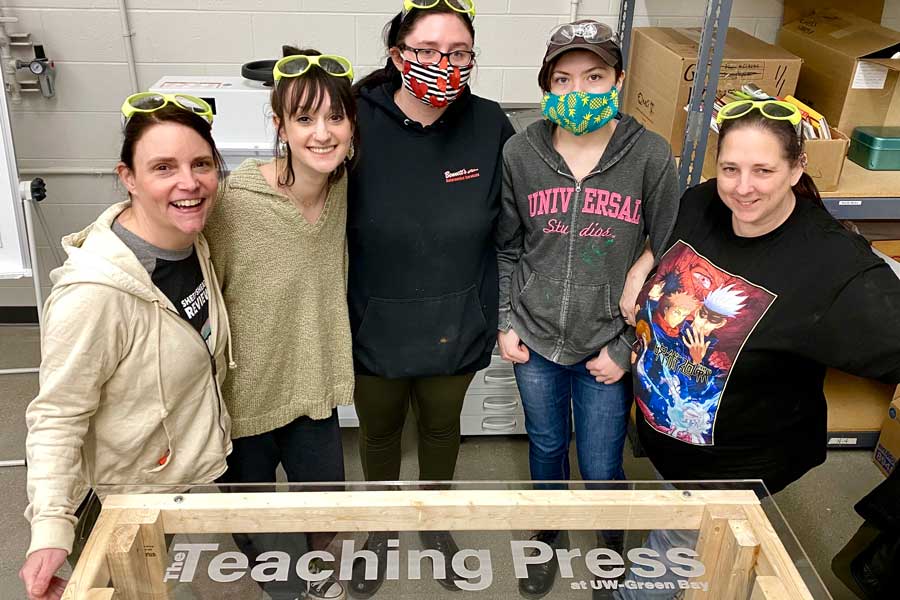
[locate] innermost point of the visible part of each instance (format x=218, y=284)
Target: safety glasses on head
x=466, y=7
x=298, y=64
x=772, y=109
x=592, y=33
x=147, y=102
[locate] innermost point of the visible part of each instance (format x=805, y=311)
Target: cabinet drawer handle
x=502, y=379
x=493, y=403
x=494, y=425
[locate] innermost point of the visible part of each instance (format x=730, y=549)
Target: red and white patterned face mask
x=434, y=85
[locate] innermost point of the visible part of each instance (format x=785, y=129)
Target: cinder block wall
x=79, y=128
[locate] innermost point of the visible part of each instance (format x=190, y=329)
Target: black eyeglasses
x=430, y=56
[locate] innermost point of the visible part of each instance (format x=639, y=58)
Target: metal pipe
x=35, y=264
x=573, y=11
x=20, y=371
x=67, y=171
x=9, y=63
x=128, y=42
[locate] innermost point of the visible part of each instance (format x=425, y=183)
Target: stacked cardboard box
x=663, y=62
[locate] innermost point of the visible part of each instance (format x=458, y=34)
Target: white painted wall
x=80, y=126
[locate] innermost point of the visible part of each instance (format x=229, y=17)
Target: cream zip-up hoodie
x=129, y=391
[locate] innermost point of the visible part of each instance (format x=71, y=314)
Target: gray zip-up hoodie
x=565, y=246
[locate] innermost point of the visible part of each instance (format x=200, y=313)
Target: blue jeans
x=550, y=392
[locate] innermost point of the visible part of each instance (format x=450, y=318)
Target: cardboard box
x=888, y=449
x=825, y=159
x=847, y=72
x=661, y=71
x=855, y=404
x=867, y=9
x=889, y=247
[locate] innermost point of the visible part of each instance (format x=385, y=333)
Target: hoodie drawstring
x=159, y=384
x=218, y=289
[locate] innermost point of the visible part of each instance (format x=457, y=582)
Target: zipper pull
x=577, y=187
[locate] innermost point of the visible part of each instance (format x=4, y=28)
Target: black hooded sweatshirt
x=423, y=207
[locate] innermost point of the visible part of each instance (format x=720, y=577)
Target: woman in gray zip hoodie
x=583, y=190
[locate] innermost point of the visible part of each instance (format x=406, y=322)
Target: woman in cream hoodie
x=133, y=340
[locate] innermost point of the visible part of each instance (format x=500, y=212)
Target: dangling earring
x=282, y=147
x=351, y=151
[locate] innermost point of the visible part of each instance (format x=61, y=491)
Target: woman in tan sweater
x=278, y=240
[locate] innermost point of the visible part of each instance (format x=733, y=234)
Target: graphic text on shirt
x=693, y=321
x=596, y=201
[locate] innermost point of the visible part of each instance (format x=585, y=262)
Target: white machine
x=242, y=116
x=242, y=128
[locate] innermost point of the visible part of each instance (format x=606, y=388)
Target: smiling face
x=172, y=184
x=754, y=180
x=319, y=137
x=581, y=71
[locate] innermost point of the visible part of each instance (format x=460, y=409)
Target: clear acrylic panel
x=634, y=539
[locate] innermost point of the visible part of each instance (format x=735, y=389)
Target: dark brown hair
x=791, y=146
x=547, y=67
x=292, y=96
x=395, y=33
x=139, y=123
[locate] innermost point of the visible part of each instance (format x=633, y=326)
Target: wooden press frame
x=125, y=556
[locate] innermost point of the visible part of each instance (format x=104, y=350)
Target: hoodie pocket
x=537, y=304
x=420, y=337
x=591, y=319
x=161, y=450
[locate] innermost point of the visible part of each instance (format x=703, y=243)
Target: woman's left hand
x=604, y=369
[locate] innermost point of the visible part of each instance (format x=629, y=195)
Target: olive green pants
x=382, y=404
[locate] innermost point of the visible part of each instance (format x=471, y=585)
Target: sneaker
x=326, y=589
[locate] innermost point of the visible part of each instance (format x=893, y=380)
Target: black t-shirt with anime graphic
x=734, y=336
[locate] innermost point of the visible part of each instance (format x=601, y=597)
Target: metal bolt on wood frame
x=124, y=559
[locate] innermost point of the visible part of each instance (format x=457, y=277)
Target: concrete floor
x=818, y=508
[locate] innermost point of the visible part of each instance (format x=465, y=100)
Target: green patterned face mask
x=581, y=112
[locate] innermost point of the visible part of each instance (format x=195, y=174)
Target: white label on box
x=869, y=76
x=849, y=202
x=845, y=441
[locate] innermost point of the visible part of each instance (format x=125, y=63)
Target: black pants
x=309, y=451
x=382, y=405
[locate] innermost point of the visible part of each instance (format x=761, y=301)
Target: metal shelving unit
x=861, y=195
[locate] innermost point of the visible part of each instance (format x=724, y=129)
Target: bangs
x=307, y=93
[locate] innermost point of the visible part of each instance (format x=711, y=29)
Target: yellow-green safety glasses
x=147, y=102
x=298, y=64
x=772, y=109
x=466, y=7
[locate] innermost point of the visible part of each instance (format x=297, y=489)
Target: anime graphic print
x=693, y=320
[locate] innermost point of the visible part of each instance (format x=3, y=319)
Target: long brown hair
x=304, y=94
x=395, y=33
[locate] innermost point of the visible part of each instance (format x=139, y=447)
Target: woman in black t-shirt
x=759, y=292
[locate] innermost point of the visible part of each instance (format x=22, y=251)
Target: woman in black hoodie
x=423, y=204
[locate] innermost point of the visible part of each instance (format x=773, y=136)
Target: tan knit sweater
x=285, y=286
